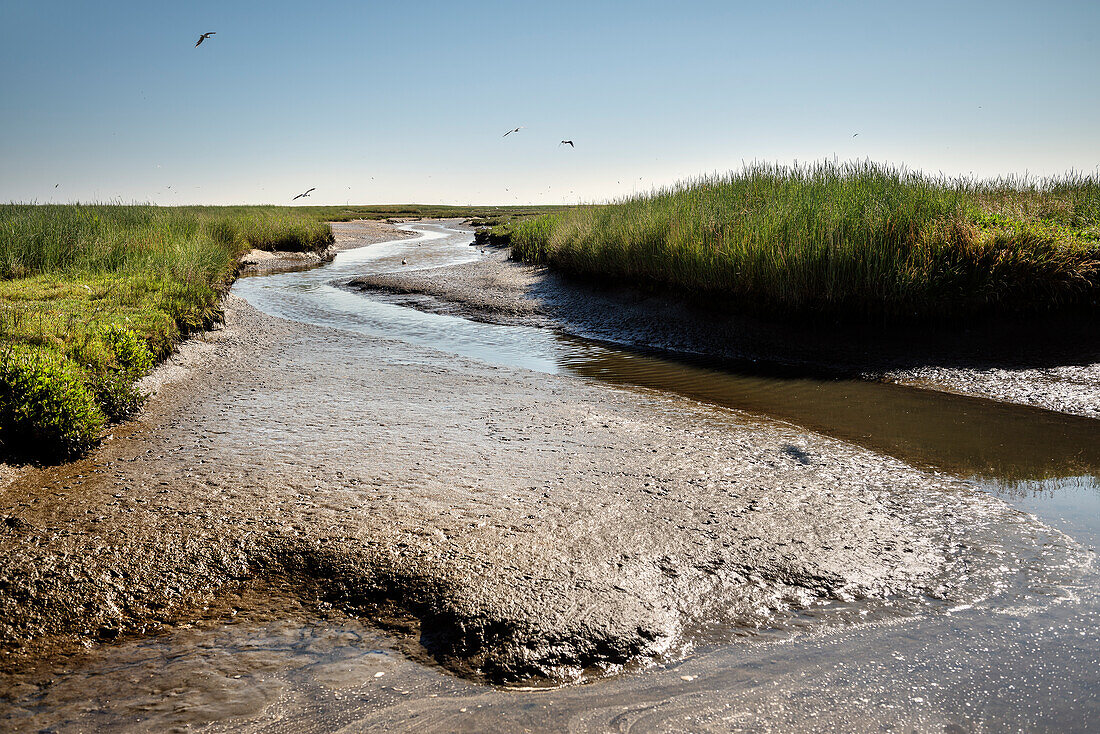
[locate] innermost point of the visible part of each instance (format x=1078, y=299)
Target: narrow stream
x=965, y=436
x=1019, y=668
x=1043, y=462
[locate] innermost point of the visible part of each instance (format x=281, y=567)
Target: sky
x=398, y=102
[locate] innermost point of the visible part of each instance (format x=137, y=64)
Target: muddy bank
x=514, y=525
x=348, y=234
x=1053, y=365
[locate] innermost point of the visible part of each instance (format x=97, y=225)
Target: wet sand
x=509, y=525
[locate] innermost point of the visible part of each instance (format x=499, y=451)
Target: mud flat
x=522, y=526
x=1052, y=363
x=510, y=526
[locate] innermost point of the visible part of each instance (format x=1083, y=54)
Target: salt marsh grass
x=92, y=296
x=856, y=241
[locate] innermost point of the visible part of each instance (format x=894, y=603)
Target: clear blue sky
x=407, y=101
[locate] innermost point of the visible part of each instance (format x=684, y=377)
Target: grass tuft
x=46, y=405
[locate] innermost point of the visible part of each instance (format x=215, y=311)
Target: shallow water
x=1003, y=665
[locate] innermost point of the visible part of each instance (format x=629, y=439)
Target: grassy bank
x=854, y=241
x=92, y=296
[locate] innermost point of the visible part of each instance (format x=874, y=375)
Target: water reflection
x=961, y=435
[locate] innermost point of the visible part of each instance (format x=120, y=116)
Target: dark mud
x=1052, y=363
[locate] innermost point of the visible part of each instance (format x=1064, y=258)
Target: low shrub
x=46, y=408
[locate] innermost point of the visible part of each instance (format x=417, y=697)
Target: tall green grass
x=858, y=240
x=92, y=296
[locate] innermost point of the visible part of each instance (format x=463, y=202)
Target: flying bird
x=515, y=130
x=203, y=37
x=855, y=135
x=56, y=185
x=568, y=142
x=305, y=193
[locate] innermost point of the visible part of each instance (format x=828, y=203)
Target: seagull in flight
x=203, y=37
x=568, y=142
x=514, y=130
x=304, y=193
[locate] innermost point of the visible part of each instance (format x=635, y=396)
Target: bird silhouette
x=56, y=185
x=855, y=135
x=304, y=193
x=203, y=37
x=514, y=130
x=568, y=142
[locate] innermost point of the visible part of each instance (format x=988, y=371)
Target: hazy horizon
x=388, y=104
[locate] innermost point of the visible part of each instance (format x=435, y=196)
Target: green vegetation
x=92, y=296
x=855, y=241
